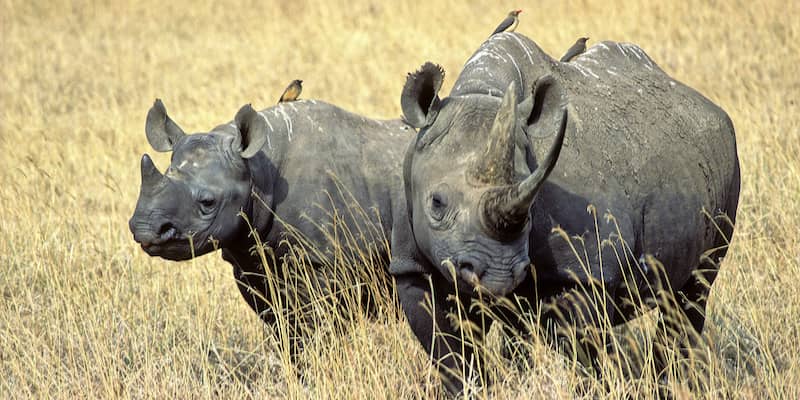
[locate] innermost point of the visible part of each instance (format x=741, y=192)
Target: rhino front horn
x=505, y=209
x=496, y=165
x=151, y=176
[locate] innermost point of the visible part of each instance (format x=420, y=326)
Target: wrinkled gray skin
x=636, y=144
x=288, y=158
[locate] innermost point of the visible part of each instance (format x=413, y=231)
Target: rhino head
x=468, y=185
x=193, y=207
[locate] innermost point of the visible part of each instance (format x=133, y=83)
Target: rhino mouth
x=496, y=282
x=175, y=250
x=169, y=243
x=489, y=277
x=171, y=234
x=166, y=234
x=498, y=285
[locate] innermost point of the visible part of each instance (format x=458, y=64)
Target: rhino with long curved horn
x=484, y=194
x=500, y=163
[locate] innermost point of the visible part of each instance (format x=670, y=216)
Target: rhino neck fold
x=262, y=195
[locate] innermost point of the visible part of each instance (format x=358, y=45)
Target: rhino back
x=649, y=149
x=336, y=169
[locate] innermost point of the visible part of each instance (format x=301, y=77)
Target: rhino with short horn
x=525, y=147
x=295, y=166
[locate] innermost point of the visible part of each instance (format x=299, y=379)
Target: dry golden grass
x=85, y=313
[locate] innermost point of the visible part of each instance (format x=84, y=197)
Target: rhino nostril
x=471, y=268
x=166, y=230
x=521, y=268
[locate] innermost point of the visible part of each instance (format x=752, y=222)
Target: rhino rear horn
x=162, y=132
x=420, y=98
x=252, y=131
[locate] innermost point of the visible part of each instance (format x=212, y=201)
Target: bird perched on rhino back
x=576, y=49
x=292, y=92
x=508, y=24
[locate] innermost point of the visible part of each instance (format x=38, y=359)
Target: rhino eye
x=438, y=206
x=207, y=203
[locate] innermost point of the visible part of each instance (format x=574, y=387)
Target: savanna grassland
x=85, y=312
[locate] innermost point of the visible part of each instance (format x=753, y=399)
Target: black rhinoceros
x=613, y=131
x=305, y=166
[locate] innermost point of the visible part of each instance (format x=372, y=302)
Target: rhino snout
x=150, y=233
x=490, y=280
x=471, y=270
x=166, y=231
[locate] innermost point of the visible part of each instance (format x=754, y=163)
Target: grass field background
x=85, y=313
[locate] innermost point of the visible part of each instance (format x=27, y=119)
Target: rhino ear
x=252, y=131
x=162, y=132
x=420, y=98
x=542, y=111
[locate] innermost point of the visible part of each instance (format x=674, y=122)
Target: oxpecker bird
x=577, y=48
x=508, y=24
x=292, y=91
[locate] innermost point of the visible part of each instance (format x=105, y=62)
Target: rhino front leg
x=429, y=306
x=289, y=329
x=254, y=293
x=252, y=282
x=576, y=323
